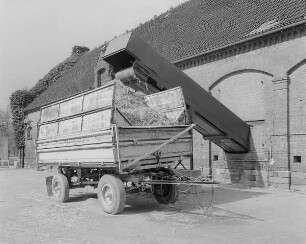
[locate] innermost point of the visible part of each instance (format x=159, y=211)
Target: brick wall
x=297, y=115
x=200, y=151
x=257, y=88
x=243, y=93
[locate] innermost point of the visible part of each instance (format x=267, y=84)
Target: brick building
x=250, y=55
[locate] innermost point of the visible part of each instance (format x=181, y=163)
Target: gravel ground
x=28, y=215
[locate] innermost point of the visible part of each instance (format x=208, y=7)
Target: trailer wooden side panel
x=137, y=141
x=90, y=147
x=78, y=130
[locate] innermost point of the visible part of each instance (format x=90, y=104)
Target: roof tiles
x=193, y=27
x=198, y=26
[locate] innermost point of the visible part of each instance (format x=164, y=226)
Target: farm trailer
x=94, y=144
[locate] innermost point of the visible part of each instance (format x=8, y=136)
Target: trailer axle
x=178, y=182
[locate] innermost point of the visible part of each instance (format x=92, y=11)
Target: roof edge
x=241, y=41
x=28, y=111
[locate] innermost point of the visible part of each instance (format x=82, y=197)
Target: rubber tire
x=63, y=187
x=118, y=194
x=169, y=196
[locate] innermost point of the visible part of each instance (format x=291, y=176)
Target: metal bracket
x=179, y=163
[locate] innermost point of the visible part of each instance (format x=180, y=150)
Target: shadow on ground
x=207, y=203
x=79, y=197
x=201, y=204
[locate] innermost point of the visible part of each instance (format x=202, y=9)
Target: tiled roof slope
x=78, y=79
x=198, y=26
x=193, y=27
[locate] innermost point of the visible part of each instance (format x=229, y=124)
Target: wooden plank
x=49, y=113
x=77, y=136
x=97, y=121
x=76, y=147
x=98, y=99
x=166, y=100
x=88, y=155
x=48, y=130
x=134, y=151
x=150, y=142
x=76, y=142
x=150, y=163
x=151, y=133
x=70, y=126
x=71, y=107
x=170, y=102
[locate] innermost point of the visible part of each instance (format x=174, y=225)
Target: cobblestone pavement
x=27, y=215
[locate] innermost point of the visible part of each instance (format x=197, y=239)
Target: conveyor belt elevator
x=138, y=65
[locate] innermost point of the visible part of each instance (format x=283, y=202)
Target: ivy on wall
x=21, y=98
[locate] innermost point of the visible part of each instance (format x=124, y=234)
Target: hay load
x=133, y=106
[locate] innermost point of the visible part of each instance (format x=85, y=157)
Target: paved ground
x=27, y=215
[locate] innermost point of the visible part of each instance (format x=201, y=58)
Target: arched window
x=243, y=93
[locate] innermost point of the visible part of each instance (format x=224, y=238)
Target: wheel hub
x=56, y=189
x=107, y=194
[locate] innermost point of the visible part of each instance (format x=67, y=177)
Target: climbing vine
x=19, y=100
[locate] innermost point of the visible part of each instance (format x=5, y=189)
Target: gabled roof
x=198, y=26
x=192, y=28
x=78, y=79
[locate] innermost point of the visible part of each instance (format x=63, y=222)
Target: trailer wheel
x=166, y=193
x=111, y=194
x=60, y=188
